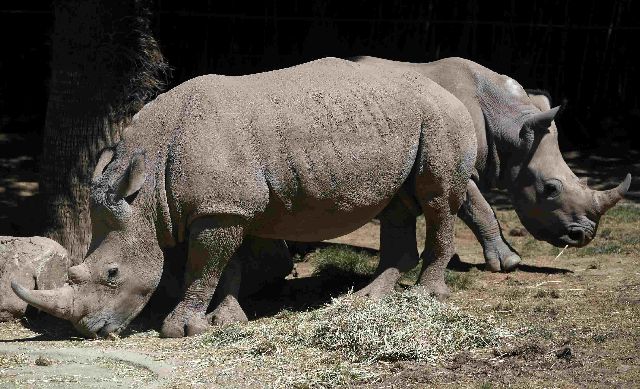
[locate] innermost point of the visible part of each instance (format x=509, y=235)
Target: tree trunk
x=105, y=65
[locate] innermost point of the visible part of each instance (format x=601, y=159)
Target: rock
x=34, y=262
x=564, y=353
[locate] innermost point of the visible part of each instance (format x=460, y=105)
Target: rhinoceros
x=518, y=151
x=305, y=153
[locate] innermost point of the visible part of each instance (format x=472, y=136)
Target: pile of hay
x=343, y=341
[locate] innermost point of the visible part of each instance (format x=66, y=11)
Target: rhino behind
x=518, y=151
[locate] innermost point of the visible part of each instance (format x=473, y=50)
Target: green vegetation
x=604, y=248
x=458, y=280
x=624, y=213
x=343, y=262
x=347, y=262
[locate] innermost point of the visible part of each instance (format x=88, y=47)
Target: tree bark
x=105, y=65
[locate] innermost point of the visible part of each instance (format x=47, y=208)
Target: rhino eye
x=112, y=272
x=552, y=189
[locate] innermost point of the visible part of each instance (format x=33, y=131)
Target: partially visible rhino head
x=36, y=262
x=550, y=200
x=125, y=261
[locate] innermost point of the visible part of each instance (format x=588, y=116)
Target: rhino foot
x=228, y=311
x=500, y=257
x=511, y=262
x=196, y=325
x=381, y=286
x=185, y=324
x=437, y=289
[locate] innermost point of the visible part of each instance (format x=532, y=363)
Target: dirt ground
x=576, y=316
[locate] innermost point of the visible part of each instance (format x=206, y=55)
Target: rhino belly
x=316, y=221
x=338, y=185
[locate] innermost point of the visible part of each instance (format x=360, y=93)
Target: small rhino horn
x=542, y=120
x=608, y=198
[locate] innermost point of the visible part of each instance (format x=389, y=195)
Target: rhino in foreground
x=306, y=153
x=518, y=151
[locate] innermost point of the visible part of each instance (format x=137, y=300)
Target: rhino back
x=459, y=77
x=321, y=142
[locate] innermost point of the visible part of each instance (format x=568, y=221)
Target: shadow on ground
x=458, y=265
x=310, y=292
x=48, y=327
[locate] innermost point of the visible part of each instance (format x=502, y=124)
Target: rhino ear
x=105, y=157
x=542, y=120
x=133, y=178
x=541, y=101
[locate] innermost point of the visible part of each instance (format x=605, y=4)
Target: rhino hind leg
x=478, y=215
x=258, y=262
x=438, y=250
x=398, y=252
x=228, y=309
x=212, y=243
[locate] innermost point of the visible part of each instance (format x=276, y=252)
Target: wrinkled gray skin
x=518, y=151
x=36, y=262
x=306, y=153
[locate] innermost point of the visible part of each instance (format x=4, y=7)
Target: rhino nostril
x=577, y=235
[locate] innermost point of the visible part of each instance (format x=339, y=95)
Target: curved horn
x=56, y=302
x=542, y=120
x=606, y=199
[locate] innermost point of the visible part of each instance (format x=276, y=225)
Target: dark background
x=582, y=51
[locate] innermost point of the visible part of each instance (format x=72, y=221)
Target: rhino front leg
x=212, y=243
x=480, y=218
x=398, y=251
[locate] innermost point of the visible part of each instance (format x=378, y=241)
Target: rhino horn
x=606, y=199
x=57, y=302
x=542, y=120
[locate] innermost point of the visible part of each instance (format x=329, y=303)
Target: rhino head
x=124, y=264
x=550, y=200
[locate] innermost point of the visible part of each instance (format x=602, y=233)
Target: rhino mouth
x=99, y=327
x=574, y=235
x=103, y=324
x=577, y=235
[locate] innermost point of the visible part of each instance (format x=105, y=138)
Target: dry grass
x=344, y=341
